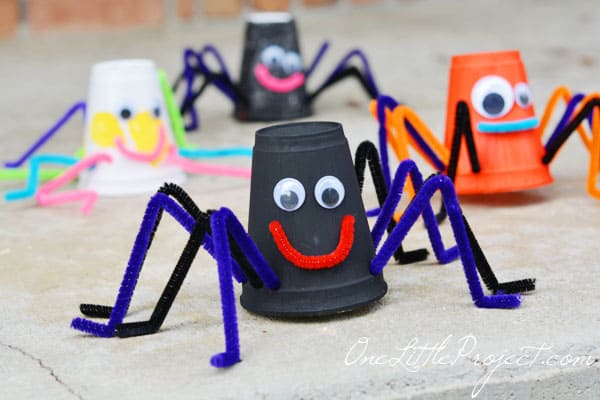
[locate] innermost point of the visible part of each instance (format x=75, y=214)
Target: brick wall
x=45, y=15
x=9, y=17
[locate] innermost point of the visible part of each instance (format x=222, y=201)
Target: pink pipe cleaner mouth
x=277, y=85
x=144, y=157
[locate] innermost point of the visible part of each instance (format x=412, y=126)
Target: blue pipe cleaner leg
x=157, y=203
x=412, y=212
x=226, y=152
x=34, y=174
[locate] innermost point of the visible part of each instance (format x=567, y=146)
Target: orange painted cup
x=505, y=129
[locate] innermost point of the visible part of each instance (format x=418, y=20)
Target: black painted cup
x=308, y=220
x=271, y=84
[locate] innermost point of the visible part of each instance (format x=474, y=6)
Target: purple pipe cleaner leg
x=158, y=202
x=406, y=168
x=238, y=273
x=320, y=53
x=172, y=287
x=248, y=247
x=383, y=103
x=195, y=67
x=575, y=100
x=561, y=137
x=221, y=79
x=231, y=355
x=466, y=255
x=189, y=75
x=47, y=135
x=366, y=67
x=412, y=212
x=223, y=222
x=343, y=71
x=425, y=148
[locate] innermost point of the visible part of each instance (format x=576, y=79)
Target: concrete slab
x=53, y=259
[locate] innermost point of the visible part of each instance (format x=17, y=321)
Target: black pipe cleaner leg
x=173, y=285
x=95, y=310
x=462, y=127
x=172, y=190
x=487, y=274
x=367, y=151
x=553, y=146
x=349, y=72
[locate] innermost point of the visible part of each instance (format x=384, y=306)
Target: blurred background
x=48, y=15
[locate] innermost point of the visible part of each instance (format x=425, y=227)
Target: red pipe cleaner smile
x=329, y=260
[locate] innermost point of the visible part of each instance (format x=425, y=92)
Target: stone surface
x=53, y=259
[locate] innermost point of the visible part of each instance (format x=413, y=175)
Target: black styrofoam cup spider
x=272, y=85
x=309, y=251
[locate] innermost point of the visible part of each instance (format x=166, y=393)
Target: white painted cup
x=125, y=104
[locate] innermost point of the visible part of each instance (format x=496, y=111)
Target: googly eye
x=292, y=62
x=156, y=111
x=523, y=95
x=329, y=192
x=125, y=113
x=272, y=56
x=492, y=96
x=289, y=194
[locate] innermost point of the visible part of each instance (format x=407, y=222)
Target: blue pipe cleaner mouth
x=508, y=126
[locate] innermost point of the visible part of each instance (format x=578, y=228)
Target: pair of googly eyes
x=126, y=112
x=289, y=193
x=274, y=57
x=493, y=96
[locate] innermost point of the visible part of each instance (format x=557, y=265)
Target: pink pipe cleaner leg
x=45, y=197
x=87, y=197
